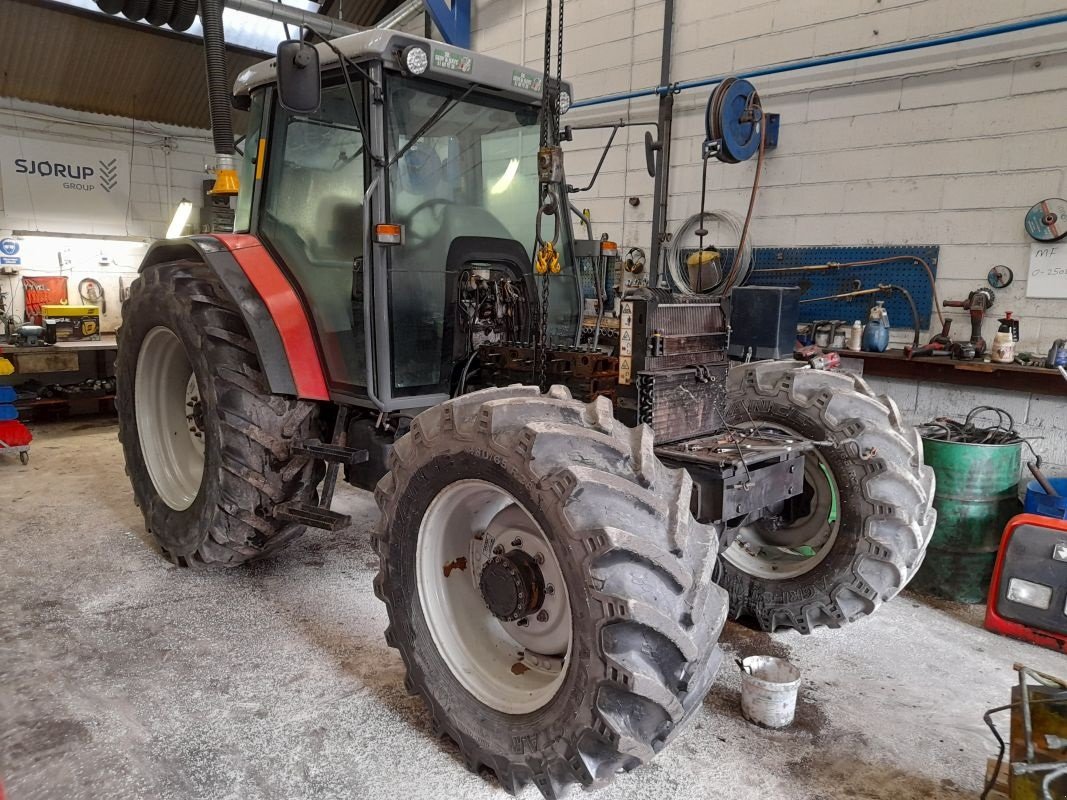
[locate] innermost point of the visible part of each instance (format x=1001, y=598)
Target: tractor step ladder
x=334, y=454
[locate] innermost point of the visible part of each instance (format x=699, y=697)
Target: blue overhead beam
x=454, y=21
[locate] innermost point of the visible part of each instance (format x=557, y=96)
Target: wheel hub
x=512, y=586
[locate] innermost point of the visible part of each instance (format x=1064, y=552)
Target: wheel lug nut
x=516, y=542
x=522, y=623
x=540, y=558
x=550, y=589
x=498, y=550
x=542, y=616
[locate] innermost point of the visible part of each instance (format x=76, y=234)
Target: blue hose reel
x=733, y=121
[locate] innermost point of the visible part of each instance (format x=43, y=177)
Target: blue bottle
x=876, y=331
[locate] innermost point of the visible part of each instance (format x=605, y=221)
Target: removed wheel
x=547, y=587
x=207, y=445
x=860, y=530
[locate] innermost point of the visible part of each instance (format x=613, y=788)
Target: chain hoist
x=550, y=176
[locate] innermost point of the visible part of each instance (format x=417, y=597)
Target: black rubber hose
x=110, y=6
x=217, y=90
x=159, y=13
x=135, y=10
x=183, y=15
x=914, y=312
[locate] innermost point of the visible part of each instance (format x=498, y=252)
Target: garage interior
x=455, y=399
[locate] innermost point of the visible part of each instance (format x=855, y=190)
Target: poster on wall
x=1048, y=271
x=55, y=182
x=43, y=291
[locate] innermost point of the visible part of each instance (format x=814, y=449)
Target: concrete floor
x=124, y=677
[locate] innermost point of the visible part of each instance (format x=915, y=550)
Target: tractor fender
x=274, y=314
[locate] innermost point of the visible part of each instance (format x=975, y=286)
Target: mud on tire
x=638, y=569
x=249, y=468
x=884, y=496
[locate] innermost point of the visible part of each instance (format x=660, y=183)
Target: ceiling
x=108, y=65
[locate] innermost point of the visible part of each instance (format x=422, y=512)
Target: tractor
x=571, y=507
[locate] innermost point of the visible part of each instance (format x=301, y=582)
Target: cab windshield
x=465, y=165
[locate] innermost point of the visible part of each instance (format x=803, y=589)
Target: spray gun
x=977, y=303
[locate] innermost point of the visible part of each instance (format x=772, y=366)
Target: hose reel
x=733, y=119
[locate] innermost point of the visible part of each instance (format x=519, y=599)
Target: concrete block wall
x=947, y=146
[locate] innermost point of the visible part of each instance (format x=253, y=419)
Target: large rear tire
x=859, y=533
x=586, y=498
x=207, y=446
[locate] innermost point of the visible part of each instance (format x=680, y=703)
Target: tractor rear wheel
x=207, y=445
x=549, y=591
x=859, y=532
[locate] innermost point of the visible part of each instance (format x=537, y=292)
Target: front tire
x=860, y=532
x=207, y=446
x=510, y=468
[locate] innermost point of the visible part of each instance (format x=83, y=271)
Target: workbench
x=56, y=363
x=1013, y=377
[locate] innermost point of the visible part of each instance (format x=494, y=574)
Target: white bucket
x=769, y=691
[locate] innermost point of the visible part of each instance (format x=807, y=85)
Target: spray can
x=876, y=332
x=855, y=337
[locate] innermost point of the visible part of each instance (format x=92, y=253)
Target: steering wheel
x=434, y=202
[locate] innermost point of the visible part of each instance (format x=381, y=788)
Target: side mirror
x=652, y=149
x=299, y=85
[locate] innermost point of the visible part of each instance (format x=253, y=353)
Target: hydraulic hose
x=217, y=90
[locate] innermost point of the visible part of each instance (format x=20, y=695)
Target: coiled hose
x=677, y=269
x=179, y=15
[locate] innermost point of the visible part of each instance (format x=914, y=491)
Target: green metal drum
x=977, y=493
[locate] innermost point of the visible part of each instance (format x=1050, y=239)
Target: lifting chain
x=550, y=176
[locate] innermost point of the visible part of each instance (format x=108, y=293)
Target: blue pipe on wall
x=855, y=55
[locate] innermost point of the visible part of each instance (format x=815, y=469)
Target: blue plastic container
x=1037, y=502
x=7, y=394
x=8, y=412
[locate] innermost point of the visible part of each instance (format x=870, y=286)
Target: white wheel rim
x=512, y=668
x=752, y=555
x=169, y=418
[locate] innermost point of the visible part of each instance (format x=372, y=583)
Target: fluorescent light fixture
x=505, y=180
x=1031, y=594
x=180, y=219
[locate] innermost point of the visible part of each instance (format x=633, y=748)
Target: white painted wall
x=948, y=146
x=156, y=153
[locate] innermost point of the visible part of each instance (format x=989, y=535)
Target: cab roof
x=447, y=63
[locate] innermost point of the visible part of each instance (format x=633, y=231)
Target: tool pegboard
x=903, y=271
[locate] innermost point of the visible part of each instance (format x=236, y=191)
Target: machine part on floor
x=1047, y=221
x=858, y=532
x=1038, y=725
x=1001, y=277
x=507, y=507
x=209, y=451
x=977, y=304
x=1027, y=597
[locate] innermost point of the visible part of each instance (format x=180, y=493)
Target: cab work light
x=387, y=233
x=1028, y=593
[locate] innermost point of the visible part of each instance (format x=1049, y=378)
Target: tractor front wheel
x=549, y=591
x=207, y=446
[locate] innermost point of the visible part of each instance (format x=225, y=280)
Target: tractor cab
x=394, y=179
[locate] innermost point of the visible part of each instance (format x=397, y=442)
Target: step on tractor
x=571, y=506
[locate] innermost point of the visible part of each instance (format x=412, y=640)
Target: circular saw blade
x=1047, y=221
